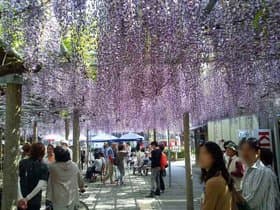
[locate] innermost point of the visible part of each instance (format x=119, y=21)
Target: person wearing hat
x=234, y=164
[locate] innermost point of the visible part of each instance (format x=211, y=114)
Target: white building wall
x=228, y=129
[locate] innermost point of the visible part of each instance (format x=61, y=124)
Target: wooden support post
x=169, y=158
x=188, y=165
x=87, y=159
x=76, y=135
x=67, y=128
x=35, y=132
x=154, y=134
x=11, y=153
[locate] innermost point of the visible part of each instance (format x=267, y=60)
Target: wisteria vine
x=140, y=64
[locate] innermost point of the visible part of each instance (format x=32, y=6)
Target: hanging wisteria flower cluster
x=140, y=64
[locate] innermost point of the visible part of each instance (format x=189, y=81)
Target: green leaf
x=257, y=18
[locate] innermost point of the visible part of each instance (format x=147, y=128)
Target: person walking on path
x=109, y=156
x=120, y=158
x=101, y=154
x=140, y=154
x=234, y=164
x=259, y=187
x=33, y=177
x=155, y=169
x=218, y=183
x=64, y=181
x=163, y=166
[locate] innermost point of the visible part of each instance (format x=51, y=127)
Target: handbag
x=239, y=201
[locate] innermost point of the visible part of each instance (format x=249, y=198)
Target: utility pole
x=188, y=167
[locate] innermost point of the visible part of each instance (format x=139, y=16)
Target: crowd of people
x=111, y=161
x=237, y=179
x=53, y=171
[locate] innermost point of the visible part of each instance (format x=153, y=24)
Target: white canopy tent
x=53, y=137
x=82, y=137
x=103, y=137
x=131, y=137
x=98, y=140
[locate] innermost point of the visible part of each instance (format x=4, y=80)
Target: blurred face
x=205, y=158
x=230, y=152
x=248, y=154
x=50, y=150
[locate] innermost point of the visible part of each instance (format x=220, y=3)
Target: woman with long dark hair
x=218, y=183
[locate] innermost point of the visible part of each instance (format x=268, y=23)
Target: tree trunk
x=11, y=153
x=189, y=182
x=67, y=128
x=76, y=135
x=35, y=132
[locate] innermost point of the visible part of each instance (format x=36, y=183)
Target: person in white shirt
x=259, y=186
x=64, y=182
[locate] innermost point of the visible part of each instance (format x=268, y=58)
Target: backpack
x=163, y=161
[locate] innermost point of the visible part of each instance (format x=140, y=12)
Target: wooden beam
x=12, y=68
x=12, y=79
x=17, y=68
